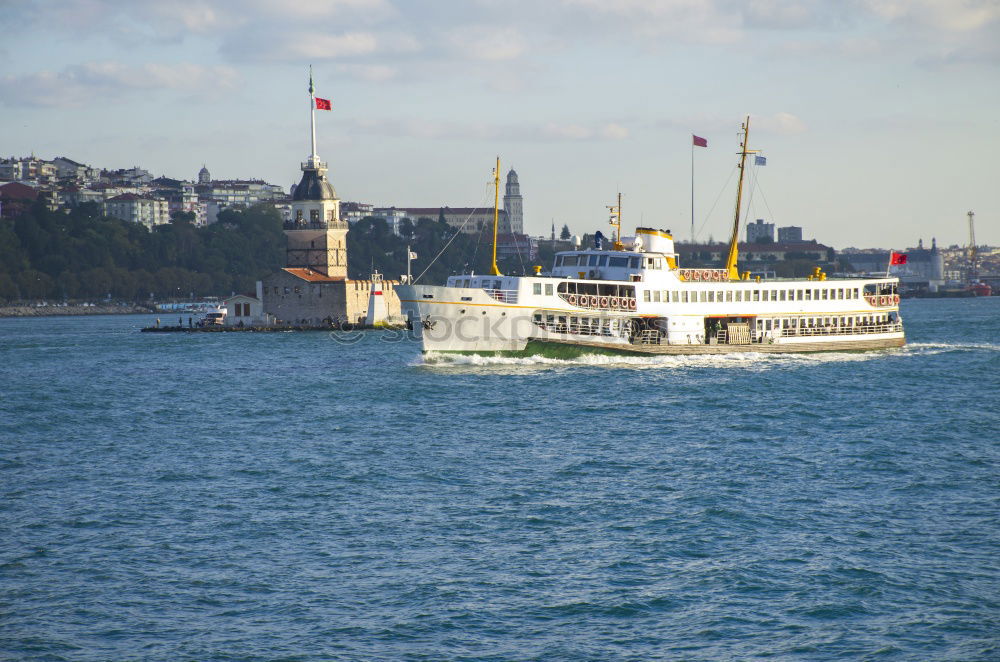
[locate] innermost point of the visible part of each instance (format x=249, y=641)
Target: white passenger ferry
x=638, y=300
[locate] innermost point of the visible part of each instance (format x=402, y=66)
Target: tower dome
x=314, y=186
x=203, y=175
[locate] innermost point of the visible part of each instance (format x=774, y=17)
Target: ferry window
x=756, y=295
x=618, y=262
x=593, y=260
x=767, y=325
x=826, y=295
x=649, y=263
x=711, y=296
x=562, y=287
x=538, y=317
x=548, y=289
x=808, y=294
x=703, y=296
x=603, y=261
x=550, y=318
x=645, y=296
x=633, y=263
x=781, y=295
x=536, y=288
x=729, y=296
x=684, y=297
x=658, y=263
x=570, y=260
x=656, y=296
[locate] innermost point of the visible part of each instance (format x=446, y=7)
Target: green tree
x=565, y=234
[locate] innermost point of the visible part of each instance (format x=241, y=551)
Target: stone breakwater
x=48, y=311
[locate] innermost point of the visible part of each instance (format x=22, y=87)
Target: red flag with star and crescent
x=897, y=258
x=323, y=104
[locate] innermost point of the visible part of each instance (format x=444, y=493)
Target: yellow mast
x=734, y=241
x=496, y=215
x=616, y=220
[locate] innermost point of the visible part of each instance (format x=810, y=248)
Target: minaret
x=317, y=238
x=513, y=204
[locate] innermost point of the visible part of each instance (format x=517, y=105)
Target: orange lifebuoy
x=604, y=302
x=572, y=299
x=706, y=275
x=895, y=299
x=614, y=302
x=631, y=304
x=883, y=300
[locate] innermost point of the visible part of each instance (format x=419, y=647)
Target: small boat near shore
x=633, y=297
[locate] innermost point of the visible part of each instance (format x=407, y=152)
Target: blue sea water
x=293, y=496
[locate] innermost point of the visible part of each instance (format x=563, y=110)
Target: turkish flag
x=323, y=104
x=699, y=141
x=897, y=258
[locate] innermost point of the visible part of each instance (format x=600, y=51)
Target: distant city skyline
x=876, y=116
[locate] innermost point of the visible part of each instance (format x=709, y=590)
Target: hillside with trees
x=84, y=255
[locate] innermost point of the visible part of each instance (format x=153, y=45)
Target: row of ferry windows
x=732, y=296
x=594, y=260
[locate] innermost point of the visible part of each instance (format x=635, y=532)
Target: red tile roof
x=313, y=276
x=18, y=191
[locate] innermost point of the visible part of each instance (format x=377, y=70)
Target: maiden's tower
x=313, y=288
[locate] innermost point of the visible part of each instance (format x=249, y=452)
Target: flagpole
x=889, y=266
x=312, y=116
x=692, y=189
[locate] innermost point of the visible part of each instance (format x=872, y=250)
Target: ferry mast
x=496, y=215
x=734, y=274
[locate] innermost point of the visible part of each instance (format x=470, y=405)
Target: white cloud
x=951, y=15
x=317, y=46
x=487, y=43
x=780, y=123
x=459, y=130
x=82, y=84
x=374, y=73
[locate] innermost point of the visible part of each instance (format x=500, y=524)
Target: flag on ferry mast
x=323, y=104
x=897, y=258
x=699, y=142
x=760, y=160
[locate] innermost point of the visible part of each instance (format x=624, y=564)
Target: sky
x=879, y=119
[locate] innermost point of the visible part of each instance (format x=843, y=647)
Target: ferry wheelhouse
x=635, y=298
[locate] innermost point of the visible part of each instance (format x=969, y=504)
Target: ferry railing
x=579, y=329
x=862, y=329
x=503, y=296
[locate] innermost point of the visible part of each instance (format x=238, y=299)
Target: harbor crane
x=972, y=253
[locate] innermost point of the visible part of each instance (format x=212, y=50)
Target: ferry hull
x=564, y=349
